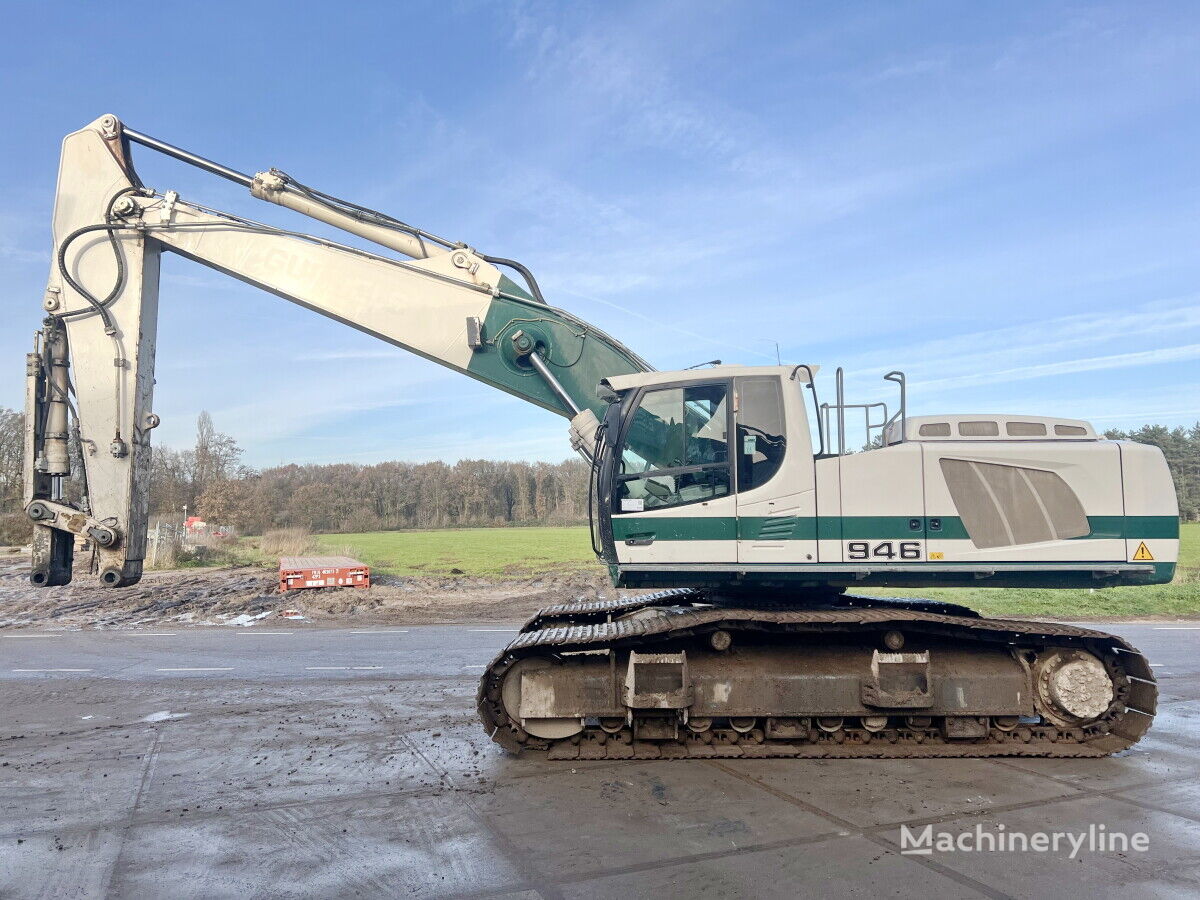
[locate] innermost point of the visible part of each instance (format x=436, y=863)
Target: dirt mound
x=240, y=596
x=428, y=599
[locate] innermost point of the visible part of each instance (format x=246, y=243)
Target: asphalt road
x=284, y=760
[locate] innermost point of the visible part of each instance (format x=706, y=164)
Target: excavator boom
x=446, y=302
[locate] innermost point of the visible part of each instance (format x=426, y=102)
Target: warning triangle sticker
x=1143, y=554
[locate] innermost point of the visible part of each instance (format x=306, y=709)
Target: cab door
x=672, y=495
x=776, y=478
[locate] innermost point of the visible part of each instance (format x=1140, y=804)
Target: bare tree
x=12, y=449
x=217, y=456
x=15, y=528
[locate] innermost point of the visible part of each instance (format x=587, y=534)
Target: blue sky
x=1000, y=199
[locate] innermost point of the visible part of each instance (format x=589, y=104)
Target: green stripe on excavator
x=676, y=528
x=852, y=528
x=1134, y=527
x=1009, y=574
x=577, y=354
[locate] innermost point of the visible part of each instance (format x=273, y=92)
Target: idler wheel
x=1072, y=687
x=510, y=694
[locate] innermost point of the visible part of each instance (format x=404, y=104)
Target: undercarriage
x=677, y=674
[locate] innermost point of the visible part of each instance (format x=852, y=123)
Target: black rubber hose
x=525, y=273
x=99, y=306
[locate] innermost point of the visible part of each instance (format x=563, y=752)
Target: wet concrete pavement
x=284, y=760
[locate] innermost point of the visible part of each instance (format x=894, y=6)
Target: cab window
x=761, y=433
x=675, y=450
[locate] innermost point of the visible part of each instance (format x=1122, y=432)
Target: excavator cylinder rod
x=539, y=364
x=190, y=158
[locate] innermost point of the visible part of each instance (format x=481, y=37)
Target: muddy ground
x=243, y=595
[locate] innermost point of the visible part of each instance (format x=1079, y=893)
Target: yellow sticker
x=1143, y=554
x=937, y=554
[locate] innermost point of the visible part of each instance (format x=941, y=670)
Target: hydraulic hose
x=525, y=273
x=98, y=306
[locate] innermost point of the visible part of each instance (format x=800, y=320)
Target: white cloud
x=20, y=255
x=346, y=355
x=15, y=235
x=945, y=360
x=1157, y=356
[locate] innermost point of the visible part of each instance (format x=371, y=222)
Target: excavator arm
x=90, y=377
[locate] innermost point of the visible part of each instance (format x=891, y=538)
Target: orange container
x=322, y=571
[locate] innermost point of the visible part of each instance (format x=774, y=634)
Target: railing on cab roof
x=883, y=425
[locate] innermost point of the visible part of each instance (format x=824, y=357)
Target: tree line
x=344, y=497
x=1181, y=447
x=209, y=480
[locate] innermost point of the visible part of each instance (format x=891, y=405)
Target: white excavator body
x=716, y=481
x=731, y=485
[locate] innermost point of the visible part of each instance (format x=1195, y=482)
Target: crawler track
x=587, y=612
x=681, y=618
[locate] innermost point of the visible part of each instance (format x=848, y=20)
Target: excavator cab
x=701, y=471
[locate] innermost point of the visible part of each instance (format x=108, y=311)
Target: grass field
x=1179, y=598
x=1189, y=548
x=520, y=552
x=512, y=552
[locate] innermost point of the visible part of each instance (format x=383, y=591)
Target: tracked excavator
x=727, y=494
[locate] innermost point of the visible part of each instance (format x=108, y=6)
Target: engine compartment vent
x=991, y=428
x=1005, y=505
